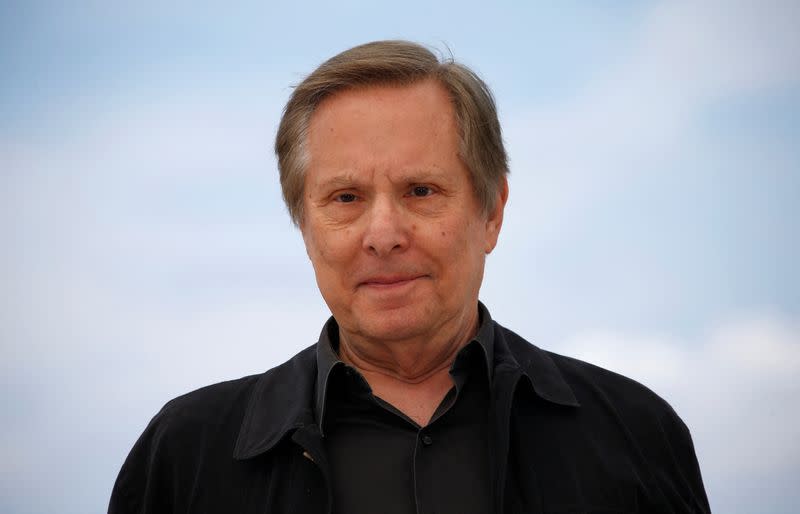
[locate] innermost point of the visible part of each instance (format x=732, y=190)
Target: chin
x=391, y=324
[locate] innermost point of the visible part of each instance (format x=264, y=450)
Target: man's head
x=396, y=220
x=480, y=143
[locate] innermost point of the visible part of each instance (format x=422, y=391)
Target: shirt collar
x=328, y=358
x=291, y=396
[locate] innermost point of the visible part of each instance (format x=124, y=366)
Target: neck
x=413, y=374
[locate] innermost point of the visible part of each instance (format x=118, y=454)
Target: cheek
x=463, y=244
x=331, y=249
x=451, y=241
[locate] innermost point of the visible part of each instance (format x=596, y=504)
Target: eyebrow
x=336, y=181
x=410, y=176
x=423, y=175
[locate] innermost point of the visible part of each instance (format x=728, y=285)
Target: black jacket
x=566, y=437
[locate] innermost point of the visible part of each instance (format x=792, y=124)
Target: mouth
x=389, y=281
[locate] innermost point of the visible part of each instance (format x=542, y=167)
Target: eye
x=346, y=198
x=421, y=191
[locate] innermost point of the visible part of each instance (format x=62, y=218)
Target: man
x=413, y=400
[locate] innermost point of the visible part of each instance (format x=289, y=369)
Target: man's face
x=391, y=225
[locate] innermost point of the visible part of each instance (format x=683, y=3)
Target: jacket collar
x=285, y=398
x=280, y=404
x=535, y=364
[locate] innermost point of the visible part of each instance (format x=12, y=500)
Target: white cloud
x=78, y=205
x=643, y=108
x=719, y=47
x=733, y=386
x=759, y=348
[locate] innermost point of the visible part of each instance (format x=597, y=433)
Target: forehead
x=385, y=125
x=372, y=112
x=427, y=95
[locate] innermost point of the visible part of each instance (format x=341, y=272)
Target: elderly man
x=413, y=400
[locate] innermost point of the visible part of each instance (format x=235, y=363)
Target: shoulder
x=198, y=406
x=630, y=423
x=188, y=430
x=227, y=402
x=196, y=433
x=593, y=386
x=617, y=408
x=626, y=407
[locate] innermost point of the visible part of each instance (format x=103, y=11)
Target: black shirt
x=382, y=461
x=564, y=436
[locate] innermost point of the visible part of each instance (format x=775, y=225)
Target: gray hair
x=401, y=63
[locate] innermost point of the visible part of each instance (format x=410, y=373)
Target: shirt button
x=426, y=440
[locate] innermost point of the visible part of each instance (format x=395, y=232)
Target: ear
x=494, y=221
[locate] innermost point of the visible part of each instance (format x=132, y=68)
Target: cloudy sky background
x=652, y=226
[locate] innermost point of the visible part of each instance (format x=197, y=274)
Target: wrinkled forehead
x=406, y=125
x=423, y=99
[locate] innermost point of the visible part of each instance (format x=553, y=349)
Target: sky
x=652, y=225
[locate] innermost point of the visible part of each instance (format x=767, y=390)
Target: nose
x=386, y=230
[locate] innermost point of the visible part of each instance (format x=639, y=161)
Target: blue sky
x=652, y=224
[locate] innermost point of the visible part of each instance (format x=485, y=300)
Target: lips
x=385, y=281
